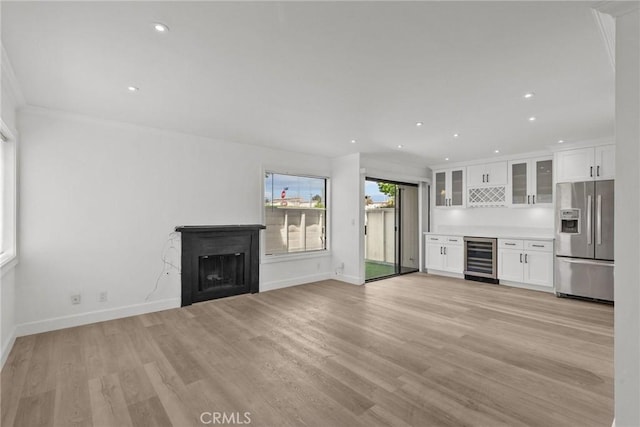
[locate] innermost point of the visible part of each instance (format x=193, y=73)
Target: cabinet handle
x=520, y=258
x=526, y=256
x=528, y=200
x=538, y=246
x=487, y=177
x=510, y=244
x=534, y=199
x=598, y=170
x=433, y=238
x=591, y=171
x=482, y=177
x=440, y=250
x=445, y=250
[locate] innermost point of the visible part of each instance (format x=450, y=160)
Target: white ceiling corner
x=607, y=25
x=10, y=76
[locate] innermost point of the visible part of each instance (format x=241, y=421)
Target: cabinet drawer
x=452, y=240
x=538, y=245
x=510, y=244
x=429, y=238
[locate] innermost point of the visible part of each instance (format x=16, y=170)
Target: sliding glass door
x=391, y=228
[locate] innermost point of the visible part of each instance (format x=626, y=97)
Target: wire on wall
x=170, y=251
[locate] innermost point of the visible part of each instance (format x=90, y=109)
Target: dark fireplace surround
x=219, y=261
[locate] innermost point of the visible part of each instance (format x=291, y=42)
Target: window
x=295, y=213
x=7, y=195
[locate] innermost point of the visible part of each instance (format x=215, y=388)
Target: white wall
x=347, y=219
x=11, y=98
x=531, y=222
x=627, y=232
x=100, y=199
x=377, y=166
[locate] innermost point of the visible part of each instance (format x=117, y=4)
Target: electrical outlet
x=75, y=299
x=102, y=297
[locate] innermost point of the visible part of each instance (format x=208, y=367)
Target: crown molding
x=14, y=85
x=617, y=8
x=607, y=26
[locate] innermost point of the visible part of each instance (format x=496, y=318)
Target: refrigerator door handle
x=589, y=240
x=586, y=261
x=599, y=219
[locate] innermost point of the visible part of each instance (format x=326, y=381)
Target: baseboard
x=444, y=273
x=56, y=323
x=527, y=286
x=353, y=280
x=6, y=348
x=278, y=284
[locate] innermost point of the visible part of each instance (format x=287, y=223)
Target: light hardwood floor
x=413, y=350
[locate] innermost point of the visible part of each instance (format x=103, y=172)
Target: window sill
x=272, y=259
x=7, y=262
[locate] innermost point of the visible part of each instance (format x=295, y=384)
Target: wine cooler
x=480, y=259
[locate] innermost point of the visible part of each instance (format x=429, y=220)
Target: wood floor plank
x=36, y=410
x=149, y=413
x=72, y=405
x=415, y=350
x=13, y=378
x=108, y=406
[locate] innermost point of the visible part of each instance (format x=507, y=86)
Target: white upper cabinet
x=489, y=174
x=586, y=164
x=605, y=162
x=449, y=188
x=531, y=181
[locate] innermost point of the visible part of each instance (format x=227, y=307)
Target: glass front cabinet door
x=441, y=188
x=531, y=181
x=449, y=188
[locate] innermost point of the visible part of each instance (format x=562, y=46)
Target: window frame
x=290, y=256
x=9, y=198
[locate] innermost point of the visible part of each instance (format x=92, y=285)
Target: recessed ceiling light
x=353, y=141
x=161, y=28
x=529, y=95
x=455, y=135
x=560, y=141
x=532, y=119
x=132, y=89
x=496, y=151
x=419, y=124
x=399, y=145
x=446, y=158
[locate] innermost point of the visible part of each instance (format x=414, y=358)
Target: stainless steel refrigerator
x=584, y=239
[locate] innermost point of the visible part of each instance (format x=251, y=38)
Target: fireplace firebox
x=219, y=261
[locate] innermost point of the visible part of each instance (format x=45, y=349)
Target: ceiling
x=313, y=76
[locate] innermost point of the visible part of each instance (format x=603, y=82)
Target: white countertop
x=498, y=233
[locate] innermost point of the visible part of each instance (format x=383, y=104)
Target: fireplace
x=219, y=261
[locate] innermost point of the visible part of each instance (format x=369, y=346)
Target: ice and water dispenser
x=570, y=221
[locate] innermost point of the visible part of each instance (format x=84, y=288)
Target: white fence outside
x=294, y=229
x=379, y=242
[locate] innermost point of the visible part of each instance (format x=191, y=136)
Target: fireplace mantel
x=205, y=228
x=219, y=261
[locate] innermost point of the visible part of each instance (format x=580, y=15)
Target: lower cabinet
x=526, y=261
x=444, y=253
